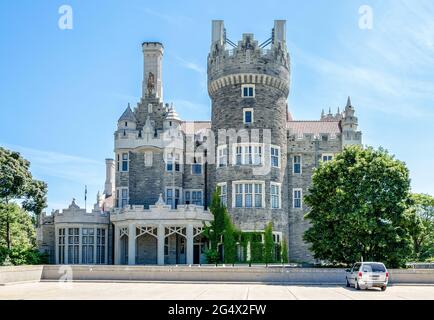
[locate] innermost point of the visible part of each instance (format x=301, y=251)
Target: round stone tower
x=249, y=87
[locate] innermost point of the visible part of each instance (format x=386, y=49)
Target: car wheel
x=383, y=288
x=357, y=285
x=348, y=283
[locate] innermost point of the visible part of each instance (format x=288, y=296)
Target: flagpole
x=85, y=197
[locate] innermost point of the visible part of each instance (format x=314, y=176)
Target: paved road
x=199, y=291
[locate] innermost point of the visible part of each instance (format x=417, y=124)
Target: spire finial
x=349, y=102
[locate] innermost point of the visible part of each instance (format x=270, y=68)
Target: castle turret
x=172, y=119
x=248, y=83
x=127, y=121
x=349, y=123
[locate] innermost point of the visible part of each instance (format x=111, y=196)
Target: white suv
x=365, y=275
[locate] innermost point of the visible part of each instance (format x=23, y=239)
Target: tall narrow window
x=169, y=197
x=177, y=162
x=248, y=191
x=275, y=195
x=169, y=162
x=239, y=195
x=258, y=195
x=248, y=115
x=61, y=246
x=196, y=197
x=297, y=164
x=239, y=152
x=124, y=197
x=275, y=157
x=87, y=245
x=257, y=155
x=247, y=155
x=222, y=156
x=73, y=245
x=118, y=162
x=223, y=193
x=187, y=196
x=100, y=246
x=124, y=162
x=172, y=197
x=297, y=199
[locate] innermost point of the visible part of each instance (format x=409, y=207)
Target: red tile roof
x=299, y=128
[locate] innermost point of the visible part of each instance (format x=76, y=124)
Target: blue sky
x=62, y=91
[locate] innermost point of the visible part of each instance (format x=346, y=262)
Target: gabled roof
x=128, y=115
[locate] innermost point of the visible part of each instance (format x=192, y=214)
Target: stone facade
x=252, y=150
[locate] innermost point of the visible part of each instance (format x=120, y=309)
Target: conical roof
x=128, y=115
x=349, y=102
x=172, y=115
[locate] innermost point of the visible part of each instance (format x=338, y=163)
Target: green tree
x=22, y=230
x=229, y=240
x=421, y=226
x=268, y=243
x=221, y=228
x=17, y=184
x=357, y=208
x=284, y=251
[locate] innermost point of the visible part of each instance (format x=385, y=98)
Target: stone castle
x=159, y=185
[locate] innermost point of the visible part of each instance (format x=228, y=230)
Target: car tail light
x=387, y=274
x=360, y=274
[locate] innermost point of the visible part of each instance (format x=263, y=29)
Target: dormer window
x=248, y=91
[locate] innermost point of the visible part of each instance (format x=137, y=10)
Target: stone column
x=132, y=244
x=190, y=244
x=117, y=257
x=160, y=244
x=249, y=255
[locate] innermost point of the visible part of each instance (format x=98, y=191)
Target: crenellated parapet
x=248, y=61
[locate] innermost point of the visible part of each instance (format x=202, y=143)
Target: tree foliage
x=268, y=244
x=357, y=208
x=220, y=228
x=421, y=226
x=22, y=230
x=18, y=185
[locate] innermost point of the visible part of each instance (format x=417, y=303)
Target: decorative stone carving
x=151, y=83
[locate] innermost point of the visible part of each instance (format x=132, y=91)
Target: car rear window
x=375, y=267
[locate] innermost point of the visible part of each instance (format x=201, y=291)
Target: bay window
x=248, y=194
